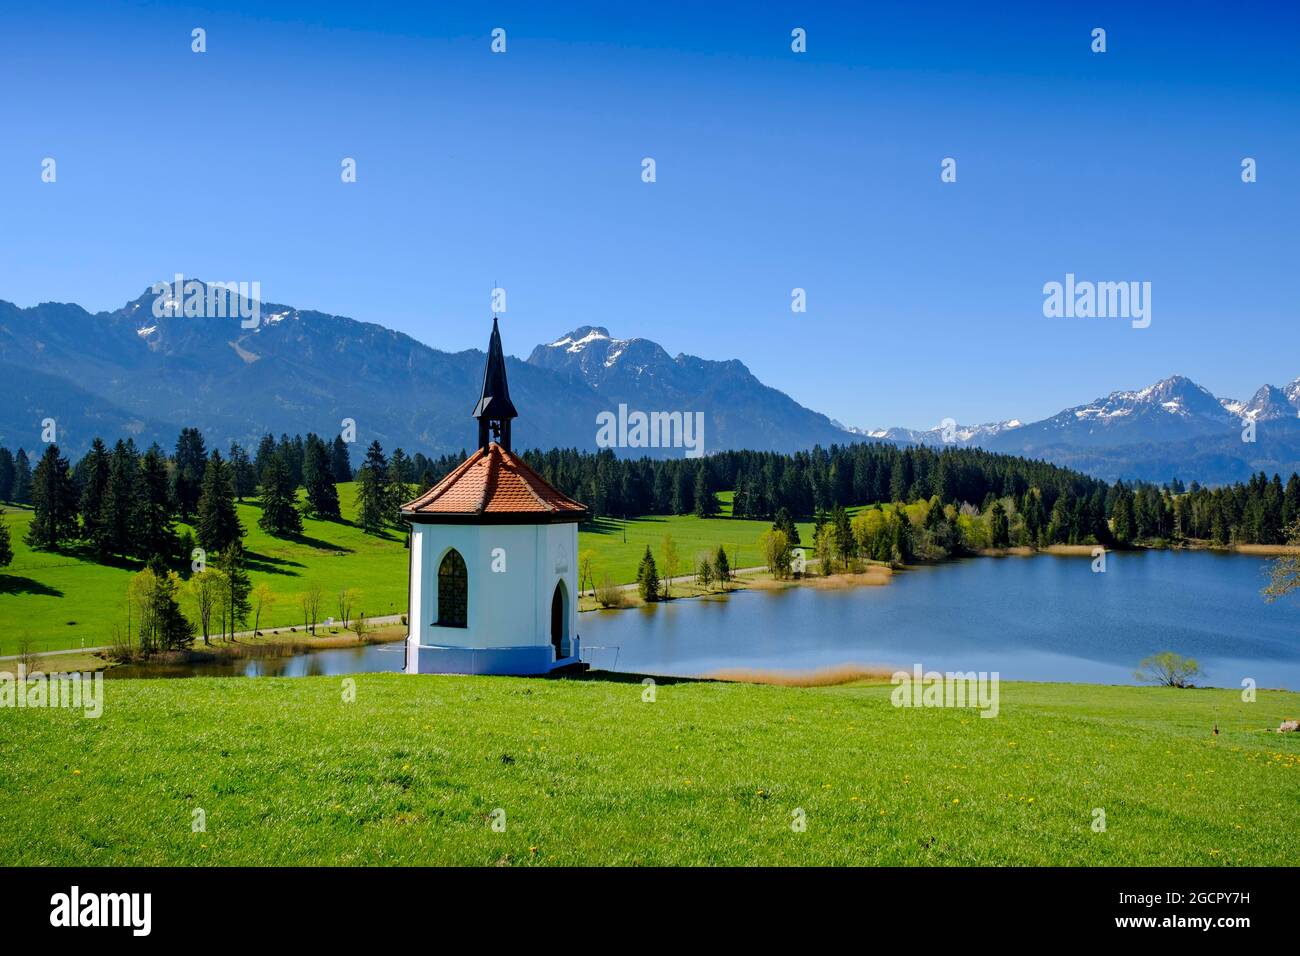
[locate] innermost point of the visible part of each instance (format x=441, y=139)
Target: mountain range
x=131, y=372
x=1173, y=428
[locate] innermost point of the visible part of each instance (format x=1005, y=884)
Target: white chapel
x=494, y=551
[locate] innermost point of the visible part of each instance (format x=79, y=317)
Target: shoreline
x=873, y=574
x=877, y=574
x=269, y=645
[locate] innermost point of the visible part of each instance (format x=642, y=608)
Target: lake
x=1037, y=618
x=368, y=659
x=1032, y=618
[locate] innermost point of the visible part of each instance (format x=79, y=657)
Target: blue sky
x=775, y=170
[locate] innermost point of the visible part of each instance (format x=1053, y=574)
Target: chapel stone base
x=523, y=661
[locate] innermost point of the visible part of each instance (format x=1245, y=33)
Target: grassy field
x=285, y=772
x=68, y=600
x=62, y=600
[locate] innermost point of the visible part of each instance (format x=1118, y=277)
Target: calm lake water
x=1037, y=618
x=347, y=660
x=1040, y=618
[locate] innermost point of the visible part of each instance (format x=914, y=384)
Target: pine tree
x=1058, y=526
x=22, y=488
x=262, y=460
x=999, y=530
x=116, y=516
x=322, y=500
x=6, y=547
x=372, y=496
x=1290, y=501
x=242, y=473
x=291, y=453
x=901, y=545
x=339, y=460
x=218, y=523
x=1272, y=529
x=6, y=474
x=786, y=523
x=160, y=624
x=722, y=566
x=399, y=484
x=844, y=541
x=296, y=460
x=1123, y=520
x=279, y=515
x=933, y=514
x=1219, y=528
x=191, y=464
x=683, y=498
x=706, y=501
x=94, y=467
x=154, y=518
x=899, y=480
x=647, y=577
x=54, y=502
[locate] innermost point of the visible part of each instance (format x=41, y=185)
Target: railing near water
x=585, y=649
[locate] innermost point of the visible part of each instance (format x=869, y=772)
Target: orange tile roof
x=495, y=484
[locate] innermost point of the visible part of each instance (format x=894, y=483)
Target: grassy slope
x=587, y=773
x=66, y=601
x=60, y=600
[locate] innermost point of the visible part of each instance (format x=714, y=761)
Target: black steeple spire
x=494, y=409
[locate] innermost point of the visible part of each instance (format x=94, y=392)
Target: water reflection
x=372, y=658
x=1039, y=618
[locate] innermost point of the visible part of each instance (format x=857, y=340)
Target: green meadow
x=69, y=600
x=584, y=771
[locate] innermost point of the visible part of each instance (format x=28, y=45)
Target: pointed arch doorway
x=560, y=621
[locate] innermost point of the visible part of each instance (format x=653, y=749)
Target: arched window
x=453, y=591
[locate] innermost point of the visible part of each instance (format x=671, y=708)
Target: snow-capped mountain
x=1172, y=428
x=1292, y=392
x=1170, y=410
x=134, y=372
x=739, y=410
x=945, y=433
x=1268, y=404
